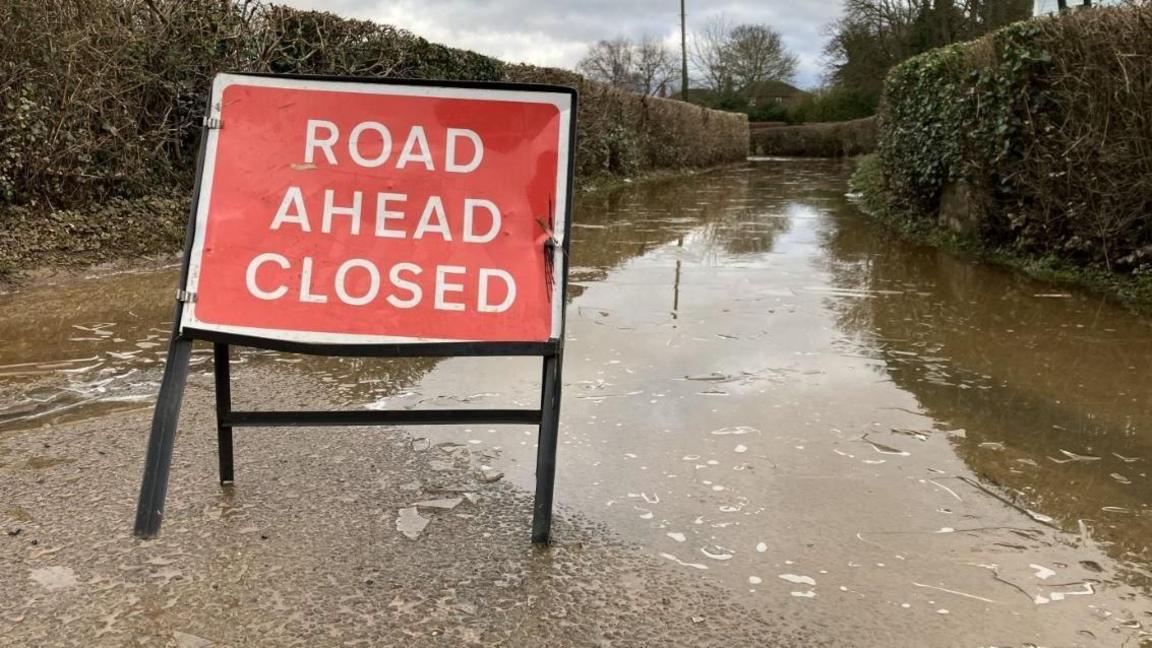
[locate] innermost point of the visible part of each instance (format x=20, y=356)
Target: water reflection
x=729, y=406
x=81, y=343
x=1052, y=387
x=91, y=345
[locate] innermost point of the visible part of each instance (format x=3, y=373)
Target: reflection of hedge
x=1047, y=123
x=102, y=99
x=832, y=139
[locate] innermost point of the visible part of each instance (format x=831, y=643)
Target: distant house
x=1045, y=7
x=767, y=93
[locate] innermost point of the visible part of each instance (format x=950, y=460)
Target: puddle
x=411, y=523
x=90, y=346
x=54, y=579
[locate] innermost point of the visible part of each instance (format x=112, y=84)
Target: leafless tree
x=874, y=35
x=709, y=53
x=646, y=66
x=655, y=66
x=611, y=62
x=733, y=59
x=756, y=54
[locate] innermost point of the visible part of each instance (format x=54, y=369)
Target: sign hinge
x=213, y=123
x=185, y=296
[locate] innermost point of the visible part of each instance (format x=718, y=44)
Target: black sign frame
x=157, y=466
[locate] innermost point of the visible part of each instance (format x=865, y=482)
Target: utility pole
x=683, y=53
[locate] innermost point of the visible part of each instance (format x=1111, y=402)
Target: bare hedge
x=831, y=139
x=103, y=99
x=1046, y=125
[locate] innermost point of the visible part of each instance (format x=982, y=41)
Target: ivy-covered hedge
x=101, y=103
x=1045, y=126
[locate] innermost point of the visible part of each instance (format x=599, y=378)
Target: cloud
x=557, y=32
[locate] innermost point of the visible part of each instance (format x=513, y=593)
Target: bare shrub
x=1088, y=170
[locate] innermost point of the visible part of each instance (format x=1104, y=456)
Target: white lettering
x=496, y=290
x=312, y=142
x=306, y=295
x=375, y=150
x=385, y=144
x=416, y=137
x=254, y=267
x=373, y=282
x=404, y=284
x=383, y=215
x=470, y=236
x=331, y=210
x=442, y=287
x=450, y=164
x=293, y=198
x=435, y=206
x=482, y=304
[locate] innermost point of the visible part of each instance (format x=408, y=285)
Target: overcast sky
x=557, y=32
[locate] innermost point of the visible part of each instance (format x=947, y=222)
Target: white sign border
x=562, y=102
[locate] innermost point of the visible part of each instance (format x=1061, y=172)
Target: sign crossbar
x=381, y=417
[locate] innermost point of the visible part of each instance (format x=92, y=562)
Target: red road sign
x=343, y=212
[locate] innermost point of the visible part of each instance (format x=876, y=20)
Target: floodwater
x=766, y=389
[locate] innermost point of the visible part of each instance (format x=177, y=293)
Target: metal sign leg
x=223, y=410
x=150, y=507
x=546, y=451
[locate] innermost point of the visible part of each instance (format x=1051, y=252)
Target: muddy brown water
x=764, y=388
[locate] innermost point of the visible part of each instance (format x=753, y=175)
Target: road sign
x=374, y=217
x=338, y=212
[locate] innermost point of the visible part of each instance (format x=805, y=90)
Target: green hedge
x=834, y=104
x=101, y=103
x=104, y=98
x=1046, y=124
x=623, y=133
x=831, y=139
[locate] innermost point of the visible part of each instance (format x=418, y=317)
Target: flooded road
x=764, y=389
